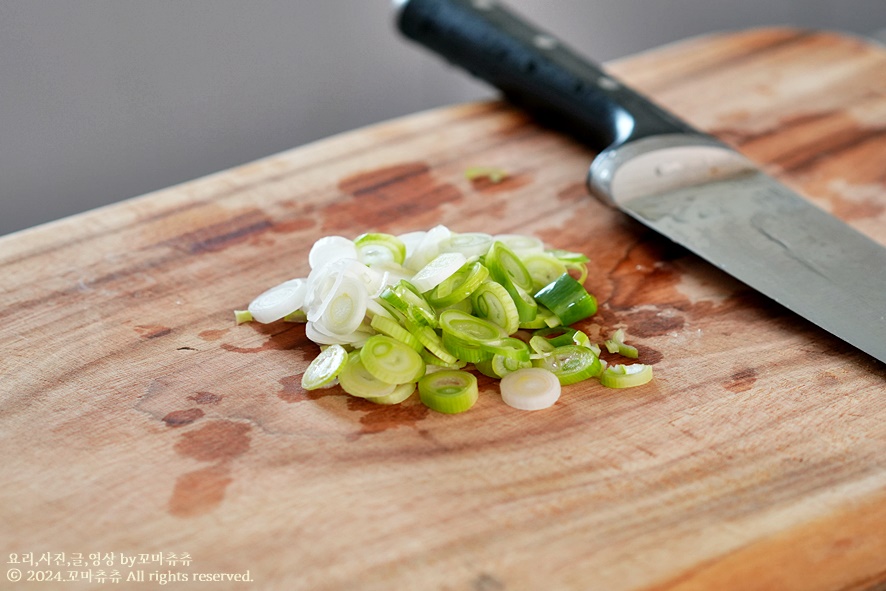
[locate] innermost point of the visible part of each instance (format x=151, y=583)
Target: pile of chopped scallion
x=393, y=314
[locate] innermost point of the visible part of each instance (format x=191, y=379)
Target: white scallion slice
x=429, y=247
x=346, y=307
x=330, y=249
x=530, y=388
x=324, y=368
x=626, y=376
x=278, y=301
x=521, y=244
x=448, y=391
x=441, y=268
x=470, y=244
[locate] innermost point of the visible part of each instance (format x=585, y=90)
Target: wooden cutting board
x=138, y=421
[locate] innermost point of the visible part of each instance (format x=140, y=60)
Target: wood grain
x=137, y=418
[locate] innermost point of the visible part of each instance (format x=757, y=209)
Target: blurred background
x=101, y=100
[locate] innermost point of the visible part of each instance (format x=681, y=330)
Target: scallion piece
x=493, y=302
x=470, y=244
x=376, y=248
x=278, y=301
x=567, y=299
x=495, y=175
x=433, y=343
x=502, y=365
x=570, y=363
x=357, y=381
x=448, y=391
x=616, y=344
x=459, y=285
x=471, y=329
x=543, y=268
x=530, y=388
x=400, y=393
x=626, y=376
x=324, y=368
x=507, y=268
x=441, y=268
x=242, y=316
x=472, y=352
x=391, y=361
x=393, y=329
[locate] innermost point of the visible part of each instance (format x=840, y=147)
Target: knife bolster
x=661, y=163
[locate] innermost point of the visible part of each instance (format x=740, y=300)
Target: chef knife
x=679, y=181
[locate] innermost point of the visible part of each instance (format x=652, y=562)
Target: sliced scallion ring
x=393, y=329
x=278, y=301
x=530, y=388
x=543, y=268
x=626, y=376
x=459, y=285
x=357, y=381
x=568, y=299
x=433, y=343
x=441, y=268
x=376, y=248
x=448, y=391
x=502, y=365
x=469, y=328
x=472, y=352
x=401, y=392
x=330, y=249
x=616, y=344
x=570, y=363
x=506, y=267
x=391, y=361
x=493, y=302
x=470, y=244
x=324, y=368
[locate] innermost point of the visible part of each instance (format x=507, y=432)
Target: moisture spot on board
x=200, y=491
x=205, y=398
x=381, y=417
x=741, y=380
x=152, y=331
x=291, y=390
x=216, y=441
x=396, y=192
x=213, y=334
x=282, y=335
x=179, y=418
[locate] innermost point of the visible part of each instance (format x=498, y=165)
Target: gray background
x=101, y=100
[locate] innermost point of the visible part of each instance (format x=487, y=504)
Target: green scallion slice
x=567, y=299
x=459, y=285
x=448, y=391
x=469, y=328
x=324, y=368
x=570, y=363
x=492, y=302
x=616, y=344
x=507, y=268
x=472, y=352
x=376, y=248
x=391, y=361
x=433, y=343
x=626, y=376
x=502, y=365
x=357, y=381
x=393, y=329
x=543, y=268
x=400, y=393
x=242, y=316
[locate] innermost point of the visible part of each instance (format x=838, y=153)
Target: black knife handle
x=535, y=70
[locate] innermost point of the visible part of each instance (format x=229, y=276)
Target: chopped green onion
x=433, y=343
x=391, y=361
x=441, y=268
x=568, y=299
x=448, y=391
x=502, y=365
x=297, y=316
x=242, y=316
x=471, y=329
x=626, y=376
x=393, y=329
x=459, y=285
x=324, y=368
x=376, y=248
x=279, y=301
x=543, y=268
x=493, y=302
x=406, y=299
x=400, y=393
x=357, y=381
x=507, y=268
x=495, y=175
x=470, y=351
x=616, y=344
x=470, y=244
x=520, y=244
x=570, y=363
x=530, y=388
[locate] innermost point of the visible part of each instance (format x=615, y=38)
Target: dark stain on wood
x=291, y=390
x=218, y=441
x=221, y=235
x=293, y=225
x=201, y=491
x=741, y=380
x=205, y=398
x=652, y=323
x=213, y=335
x=391, y=193
x=381, y=417
x=152, y=331
x=179, y=418
x=282, y=335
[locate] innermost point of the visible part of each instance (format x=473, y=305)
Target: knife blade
x=683, y=183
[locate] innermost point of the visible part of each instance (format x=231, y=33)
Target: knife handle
x=535, y=70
